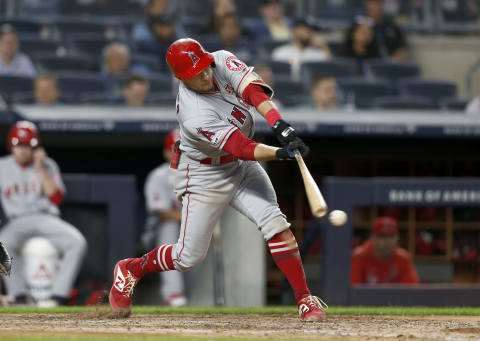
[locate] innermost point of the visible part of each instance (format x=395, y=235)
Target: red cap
x=171, y=138
x=385, y=225
x=187, y=58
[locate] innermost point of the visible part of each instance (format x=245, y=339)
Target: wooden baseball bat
x=315, y=198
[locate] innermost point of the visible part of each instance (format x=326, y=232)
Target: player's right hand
x=288, y=152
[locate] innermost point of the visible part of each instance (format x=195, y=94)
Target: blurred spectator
x=324, y=93
x=267, y=75
x=116, y=67
x=46, y=90
x=473, y=107
x=220, y=8
x=164, y=33
x=99, y=7
x=379, y=260
x=274, y=25
x=230, y=32
x=141, y=31
x=375, y=36
x=305, y=46
x=135, y=91
x=13, y=62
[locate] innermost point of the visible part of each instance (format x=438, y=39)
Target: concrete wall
x=446, y=58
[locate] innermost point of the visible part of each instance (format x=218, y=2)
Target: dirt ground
x=256, y=326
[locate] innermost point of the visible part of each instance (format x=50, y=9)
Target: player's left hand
x=288, y=152
x=5, y=261
x=285, y=132
x=39, y=157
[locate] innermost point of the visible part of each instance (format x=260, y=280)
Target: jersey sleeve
x=209, y=131
x=237, y=73
x=156, y=193
x=54, y=171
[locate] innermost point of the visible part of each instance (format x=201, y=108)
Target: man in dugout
x=379, y=260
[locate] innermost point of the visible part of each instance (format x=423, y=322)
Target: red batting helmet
x=23, y=132
x=170, y=139
x=187, y=58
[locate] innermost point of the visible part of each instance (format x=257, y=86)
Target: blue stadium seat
x=53, y=63
x=162, y=99
x=91, y=44
x=78, y=84
x=404, y=103
x=13, y=84
x=435, y=90
x=391, y=71
x=266, y=47
x=35, y=46
x=337, y=48
x=24, y=26
x=289, y=93
x=333, y=68
x=161, y=84
x=455, y=104
x=149, y=61
x=68, y=27
x=364, y=91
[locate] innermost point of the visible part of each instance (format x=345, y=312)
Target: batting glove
x=285, y=132
x=288, y=152
x=5, y=261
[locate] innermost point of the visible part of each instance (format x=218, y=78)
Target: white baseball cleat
x=311, y=308
x=177, y=300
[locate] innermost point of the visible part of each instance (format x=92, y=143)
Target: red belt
x=223, y=159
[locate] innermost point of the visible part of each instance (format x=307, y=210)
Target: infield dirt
x=245, y=326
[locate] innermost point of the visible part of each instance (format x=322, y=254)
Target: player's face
x=203, y=82
x=384, y=245
x=22, y=154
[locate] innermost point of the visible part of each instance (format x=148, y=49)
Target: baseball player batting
x=31, y=190
x=163, y=222
x=217, y=165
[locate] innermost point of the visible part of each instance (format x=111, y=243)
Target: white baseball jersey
x=158, y=190
x=208, y=119
x=21, y=187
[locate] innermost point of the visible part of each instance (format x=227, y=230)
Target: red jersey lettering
x=240, y=116
x=207, y=134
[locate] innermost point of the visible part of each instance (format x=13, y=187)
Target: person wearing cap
x=12, y=61
x=32, y=190
x=164, y=216
x=305, y=46
x=379, y=260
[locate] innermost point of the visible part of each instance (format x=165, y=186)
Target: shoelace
x=128, y=290
x=316, y=301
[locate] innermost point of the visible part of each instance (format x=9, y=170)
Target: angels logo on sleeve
x=207, y=134
x=235, y=64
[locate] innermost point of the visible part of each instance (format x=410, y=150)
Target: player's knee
x=185, y=264
x=274, y=226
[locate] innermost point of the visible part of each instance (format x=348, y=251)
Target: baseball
x=337, y=218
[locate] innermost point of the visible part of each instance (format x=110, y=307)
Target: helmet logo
x=195, y=59
x=22, y=133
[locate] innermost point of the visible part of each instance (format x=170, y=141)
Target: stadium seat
x=25, y=26
x=54, y=63
x=404, y=103
x=35, y=46
x=149, y=61
x=78, y=84
x=91, y=44
x=68, y=27
x=290, y=93
x=334, y=68
x=364, y=91
x=162, y=99
x=455, y=104
x=391, y=71
x=337, y=48
x=266, y=47
x=435, y=90
x=13, y=84
x=161, y=84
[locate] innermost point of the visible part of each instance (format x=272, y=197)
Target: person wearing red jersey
x=379, y=260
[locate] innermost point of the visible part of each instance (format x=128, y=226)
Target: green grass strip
x=337, y=310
